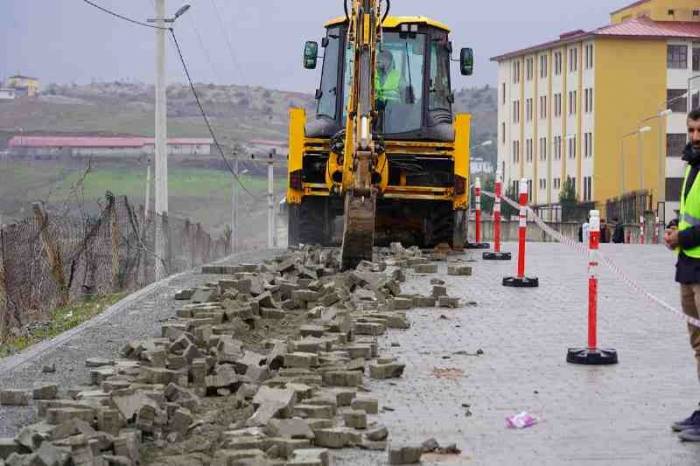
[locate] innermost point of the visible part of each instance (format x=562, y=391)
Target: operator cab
x=413, y=61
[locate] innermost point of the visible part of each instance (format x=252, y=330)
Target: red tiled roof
x=645, y=27
x=101, y=142
x=70, y=141
x=640, y=28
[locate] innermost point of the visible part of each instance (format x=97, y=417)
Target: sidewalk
x=615, y=415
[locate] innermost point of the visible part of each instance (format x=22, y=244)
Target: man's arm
x=689, y=238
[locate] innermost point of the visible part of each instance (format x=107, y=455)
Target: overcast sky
x=68, y=41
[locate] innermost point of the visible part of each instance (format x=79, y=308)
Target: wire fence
x=50, y=260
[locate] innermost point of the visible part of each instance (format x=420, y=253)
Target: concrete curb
x=33, y=352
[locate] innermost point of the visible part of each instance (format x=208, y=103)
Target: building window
x=557, y=148
x=529, y=190
x=572, y=102
x=516, y=111
x=557, y=63
x=543, y=183
x=543, y=106
x=516, y=151
x=676, y=102
x=675, y=143
x=572, y=147
x=587, y=188
x=557, y=105
x=573, y=59
x=588, y=145
x=543, y=66
x=528, y=109
x=516, y=71
x=677, y=57
x=528, y=150
x=673, y=189
x=589, y=56
x=696, y=13
x=543, y=149
x=588, y=100
x=573, y=183
x=696, y=59
x=503, y=133
x=556, y=183
x=672, y=12
x=503, y=93
x=529, y=65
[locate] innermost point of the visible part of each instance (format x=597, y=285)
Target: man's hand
x=671, y=238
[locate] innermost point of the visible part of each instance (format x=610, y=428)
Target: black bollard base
x=592, y=357
x=477, y=246
x=524, y=282
x=496, y=256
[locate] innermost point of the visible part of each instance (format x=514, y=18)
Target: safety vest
x=690, y=211
x=388, y=89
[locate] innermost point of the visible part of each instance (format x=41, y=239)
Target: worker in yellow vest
x=685, y=239
x=387, y=80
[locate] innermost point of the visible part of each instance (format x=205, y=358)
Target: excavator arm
x=361, y=150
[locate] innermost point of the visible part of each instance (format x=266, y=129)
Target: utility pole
x=271, y=233
x=147, y=202
x=161, y=149
x=234, y=206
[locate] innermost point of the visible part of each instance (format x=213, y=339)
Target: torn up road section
x=266, y=365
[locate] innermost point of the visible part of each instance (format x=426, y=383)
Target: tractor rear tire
x=314, y=224
x=440, y=225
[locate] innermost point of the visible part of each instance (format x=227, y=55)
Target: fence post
x=168, y=250
x=198, y=244
x=116, y=243
x=4, y=308
x=53, y=252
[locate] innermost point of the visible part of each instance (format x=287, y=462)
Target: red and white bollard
x=521, y=281
x=592, y=354
x=641, y=230
x=477, y=244
x=497, y=255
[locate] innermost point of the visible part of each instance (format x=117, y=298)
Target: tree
x=568, y=199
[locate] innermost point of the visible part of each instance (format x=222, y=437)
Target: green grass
x=60, y=320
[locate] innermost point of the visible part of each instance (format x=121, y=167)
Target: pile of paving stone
x=294, y=398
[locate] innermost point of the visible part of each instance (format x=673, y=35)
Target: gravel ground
x=101, y=338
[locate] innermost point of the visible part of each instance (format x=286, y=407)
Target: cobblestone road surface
x=615, y=415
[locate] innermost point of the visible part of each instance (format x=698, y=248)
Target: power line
x=117, y=15
x=224, y=31
x=194, y=90
x=205, y=117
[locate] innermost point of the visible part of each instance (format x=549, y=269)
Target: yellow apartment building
x=23, y=85
x=605, y=108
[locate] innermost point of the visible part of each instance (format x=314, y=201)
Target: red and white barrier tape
x=617, y=270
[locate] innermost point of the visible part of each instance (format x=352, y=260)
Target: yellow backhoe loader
x=384, y=151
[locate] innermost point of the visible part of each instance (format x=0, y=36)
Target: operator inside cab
x=387, y=80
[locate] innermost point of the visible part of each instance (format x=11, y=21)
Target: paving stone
x=314, y=411
x=367, y=404
x=459, y=270
x=342, y=378
x=290, y=428
x=310, y=457
x=355, y=419
x=402, y=304
x=301, y=360
x=14, y=397
x=55, y=416
x=405, y=455
x=337, y=437
x=447, y=302
x=45, y=392
x=377, y=434
x=386, y=371
x=369, y=328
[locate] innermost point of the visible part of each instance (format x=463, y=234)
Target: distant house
x=23, y=85
x=106, y=147
x=481, y=167
x=7, y=94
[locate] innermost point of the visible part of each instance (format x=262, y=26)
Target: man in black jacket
x=685, y=239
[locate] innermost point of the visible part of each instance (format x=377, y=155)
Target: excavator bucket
x=358, y=235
